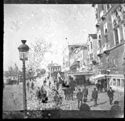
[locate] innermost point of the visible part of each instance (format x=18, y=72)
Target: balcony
x=99, y=53
x=97, y=25
x=102, y=16
x=106, y=49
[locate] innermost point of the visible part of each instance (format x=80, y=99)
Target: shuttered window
x=116, y=36
x=118, y=82
x=114, y=82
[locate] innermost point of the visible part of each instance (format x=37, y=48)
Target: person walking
x=65, y=93
x=28, y=86
x=57, y=85
x=101, y=86
x=71, y=93
x=44, y=95
x=57, y=98
x=72, y=88
x=97, y=85
x=110, y=94
x=44, y=82
x=85, y=93
x=95, y=96
x=79, y=97
x=32, y=86
x=84, y=107
x=68, y=93
x=105, y=85
x=49, y=84
x=38, y=95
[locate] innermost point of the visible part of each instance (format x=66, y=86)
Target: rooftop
x=53, y=64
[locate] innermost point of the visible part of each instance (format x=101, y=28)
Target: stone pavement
x=15, y=102
x=12, y=98
x=103, y=101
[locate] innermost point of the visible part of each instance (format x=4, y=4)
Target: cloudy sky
x=51, y=23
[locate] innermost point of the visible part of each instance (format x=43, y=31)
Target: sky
x=51, y=23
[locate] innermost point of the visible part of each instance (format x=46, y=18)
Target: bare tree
x=13, y=70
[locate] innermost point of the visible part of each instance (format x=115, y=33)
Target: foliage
x=12, y=71
x=37, y=52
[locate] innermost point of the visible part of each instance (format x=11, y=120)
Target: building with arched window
x=53, y=67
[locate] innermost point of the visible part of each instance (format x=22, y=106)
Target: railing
x=99, y=51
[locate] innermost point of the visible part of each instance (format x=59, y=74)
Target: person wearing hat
x=110, y=94
x=85, y=92
x=79, y=97
x=95, y=96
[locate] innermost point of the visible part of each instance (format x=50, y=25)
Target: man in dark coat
x=105, y=85
x=110, y=94
x=28, y=86
x=97, y=85
x=38, y=94
x=85, y=93
x=71, y=88
x=32, y=85
x=79, y=97
x=95, y=96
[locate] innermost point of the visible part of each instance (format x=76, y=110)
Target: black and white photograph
x=63, y=61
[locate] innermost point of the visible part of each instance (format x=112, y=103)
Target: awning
x=102, y=76
x=80, y=73
x=97, y=77
x=75, y=64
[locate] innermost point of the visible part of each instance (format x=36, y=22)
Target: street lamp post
x=23, y=52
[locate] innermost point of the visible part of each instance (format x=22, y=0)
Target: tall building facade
x=78, y=57
x=92, y=47
x=111, y=37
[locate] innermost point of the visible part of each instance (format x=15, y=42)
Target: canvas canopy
x=100, y=76
x=93, y=79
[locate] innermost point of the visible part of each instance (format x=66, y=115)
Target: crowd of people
x=82, y=97
x=101, y=85
x=80, y=94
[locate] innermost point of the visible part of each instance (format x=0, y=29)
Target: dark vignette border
x=62, y=1
x=94, y=114
x=59, y=114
